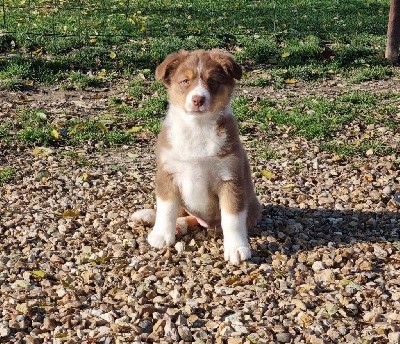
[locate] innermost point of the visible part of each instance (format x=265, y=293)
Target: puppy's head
x=199, y=82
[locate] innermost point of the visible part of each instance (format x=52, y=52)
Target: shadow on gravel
x=289, y=230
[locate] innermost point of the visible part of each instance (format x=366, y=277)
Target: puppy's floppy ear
x=227, y=62
x=165, y=70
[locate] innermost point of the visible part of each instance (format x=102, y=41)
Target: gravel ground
x=325, y=265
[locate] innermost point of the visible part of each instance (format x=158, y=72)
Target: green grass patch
x=150, y=110
x=368, y=73
x=38, y=128
x=122, y=36
x=7, y=174
x=33, y=127
x=136, y=88
x=77, y=79
x=320, y=117
x=346, y=149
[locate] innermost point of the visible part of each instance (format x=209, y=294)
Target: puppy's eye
x=185, y=82
x=213, y=84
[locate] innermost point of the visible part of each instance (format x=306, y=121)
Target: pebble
x=175, y=295
x=318, y=266
x=283, y=337
x=394, y=337
x=226, y=331
x=170, y=331
x=184, y=333
x=146, y=326
x=235, y=340
x=324, y=261
x=179, y=247
x=4, y=330
x=181, y=320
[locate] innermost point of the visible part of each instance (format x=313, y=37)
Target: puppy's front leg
x=233, y=222
x=168, y=204
x=164, y=229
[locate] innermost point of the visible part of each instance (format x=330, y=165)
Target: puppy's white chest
x=196, y=184
x=192, y=143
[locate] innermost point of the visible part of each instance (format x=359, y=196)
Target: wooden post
x=393, y=32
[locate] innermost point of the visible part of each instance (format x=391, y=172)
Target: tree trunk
x=393, y=32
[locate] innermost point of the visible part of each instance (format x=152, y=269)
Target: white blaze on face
x=199, y=98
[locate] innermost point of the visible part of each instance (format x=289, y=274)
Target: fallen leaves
x=42, y=151
x=268, y=175
x=290, y=81
x=38, y=273
x=70, y=213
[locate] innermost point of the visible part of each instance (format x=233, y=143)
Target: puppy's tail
x=144, y=217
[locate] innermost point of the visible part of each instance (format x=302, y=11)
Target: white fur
x=192, y=159
x=164, y=229
x=201, y=91
x=144, y=217
x=194, y=137
x=236, y=247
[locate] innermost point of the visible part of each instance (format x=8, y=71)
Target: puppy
x=201, y=164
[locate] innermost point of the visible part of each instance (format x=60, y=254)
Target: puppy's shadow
x=289, y=230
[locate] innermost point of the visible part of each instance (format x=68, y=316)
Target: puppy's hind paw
x=160, y=240
x=236, y=255
x=143, y=217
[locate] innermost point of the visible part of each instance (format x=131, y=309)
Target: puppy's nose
x=198, y=100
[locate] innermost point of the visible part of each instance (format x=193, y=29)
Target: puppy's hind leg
x=144, y=217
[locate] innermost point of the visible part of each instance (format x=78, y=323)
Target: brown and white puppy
x=201, y=163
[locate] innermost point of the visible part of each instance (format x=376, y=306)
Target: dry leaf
x=102, y=74
x=134, y=130
x=28, y=83
x=102, y=127
x=288, y=186
x=268, y=174
x=366, y=266
x=113, y=55
x=290, y=81
x=22, y=308
x=285, y=54
x=55, y=134
x=305, y=320
x=70, y=213
x=38, y=273
x=43, y=151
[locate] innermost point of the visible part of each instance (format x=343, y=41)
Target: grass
x=7, y=174
x=319, y=117
x=324, y=119
x=279, y=42
x=37, y=128
x=357, y=148
x=66, y=40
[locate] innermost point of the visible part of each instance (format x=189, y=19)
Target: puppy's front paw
x=159, y=239
x=235, y=255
